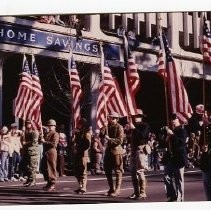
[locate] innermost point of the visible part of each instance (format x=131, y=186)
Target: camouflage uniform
x=82, y=145
x=113, y=159
x=31, y=153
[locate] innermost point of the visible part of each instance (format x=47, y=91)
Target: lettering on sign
x=26, y=36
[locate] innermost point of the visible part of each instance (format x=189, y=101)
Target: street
x=13, y=193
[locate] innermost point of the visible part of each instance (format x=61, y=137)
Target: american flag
x=76, y=92
x=36, y=98
x=131, y=79
x=106, y=90
x=117, y=103
x=110, y=98
x=162, y=58
x=23, y=98
x=178, y=97
x=206, y=42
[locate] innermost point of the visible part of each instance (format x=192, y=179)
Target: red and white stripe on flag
x=110, y=98
x=111, y=103
x=36, y=98
x=76, y=92
x=161, y=59
x=177, y=93
x=106, y=90
x=23, y=98
x=116, y=102
x=132, y=84
x=178, y=98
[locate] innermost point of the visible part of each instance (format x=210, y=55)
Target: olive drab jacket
x=51, y=141
x=82, y=143
x=116, y=133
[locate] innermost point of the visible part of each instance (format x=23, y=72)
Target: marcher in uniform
x=30, y=147
x=139, y=155
x=82, y=143
x=50, y=142
x=113, y=159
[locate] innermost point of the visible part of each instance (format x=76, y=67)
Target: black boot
x=110, y=184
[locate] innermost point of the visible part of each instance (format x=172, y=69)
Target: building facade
x=51, y=42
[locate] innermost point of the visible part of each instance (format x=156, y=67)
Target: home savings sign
x=20, y=35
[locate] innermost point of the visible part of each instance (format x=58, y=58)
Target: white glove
x=169, y=132
x=132, y=126
x=107, y=137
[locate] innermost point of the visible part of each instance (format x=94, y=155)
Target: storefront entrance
x=54, y=78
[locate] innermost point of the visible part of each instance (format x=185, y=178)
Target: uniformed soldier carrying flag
x=30, y=148
x=113, y=159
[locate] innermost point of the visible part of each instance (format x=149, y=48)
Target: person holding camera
x=174, y=160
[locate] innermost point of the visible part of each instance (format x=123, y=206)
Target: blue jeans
x=174, y=173
x=14, y=162
x=4, y=159
x=207, y=184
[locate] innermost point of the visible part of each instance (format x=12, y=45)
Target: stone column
x=95, y=80
x=2, y=58
x=173, y=30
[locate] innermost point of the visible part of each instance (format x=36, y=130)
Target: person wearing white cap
x=113, y=159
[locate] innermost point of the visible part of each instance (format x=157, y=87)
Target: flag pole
x=24, y=121
x=203, y=85
x=164, y=80
x=102, y=73
x=69, y=67
x=126, y=51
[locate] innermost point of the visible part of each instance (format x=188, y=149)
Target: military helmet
x=114, y=115
x=51, y=122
